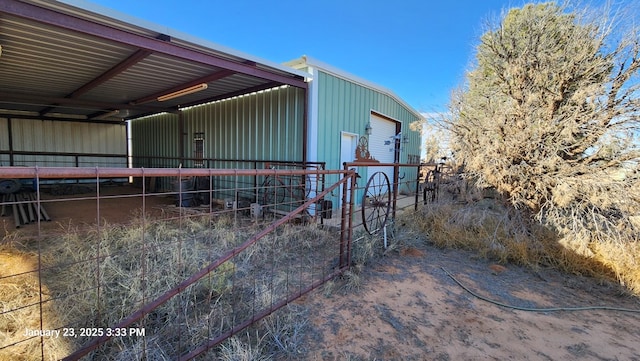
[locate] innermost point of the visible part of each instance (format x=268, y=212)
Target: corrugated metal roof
x=76, y=58
x=306, y=61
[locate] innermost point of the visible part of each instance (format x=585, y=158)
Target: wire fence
x=118, y=272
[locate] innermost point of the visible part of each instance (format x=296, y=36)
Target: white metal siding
x=68, y=137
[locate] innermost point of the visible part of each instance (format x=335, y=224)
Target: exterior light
x=185, y=91
x=368, y=129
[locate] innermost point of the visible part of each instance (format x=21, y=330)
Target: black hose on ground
x=532, y=309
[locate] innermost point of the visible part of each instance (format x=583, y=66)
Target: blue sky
x=417, y=48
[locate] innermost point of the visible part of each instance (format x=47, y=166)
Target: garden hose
x=532, y=309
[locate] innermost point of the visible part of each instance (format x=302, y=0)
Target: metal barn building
x=349, y=116
x=72, y=75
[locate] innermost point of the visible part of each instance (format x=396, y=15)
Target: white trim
x=311, y=62
x=312, y=119
x=380, y=114
x=111, y=14
x=349, y=133
x=352, y=135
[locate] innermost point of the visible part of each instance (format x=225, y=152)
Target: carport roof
x=75, y=60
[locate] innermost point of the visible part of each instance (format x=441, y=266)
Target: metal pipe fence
x=119, y=272
x=105, y=160
x=386, y=188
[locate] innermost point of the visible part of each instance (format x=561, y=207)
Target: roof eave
x=305, y=61
x=116, y=19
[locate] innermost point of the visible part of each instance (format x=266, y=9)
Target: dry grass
x=97, y=278
x=503, y=234
x=20, y=291
x=623, y=259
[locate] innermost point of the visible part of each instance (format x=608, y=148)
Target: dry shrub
x=119, y=255
x=548, y=116
x=365, y=247
x=623, y=260
x=499, y=232
x=135, y=263
x=20, y=299
x=235, y=349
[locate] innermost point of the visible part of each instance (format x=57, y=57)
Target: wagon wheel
x=301, y=187
x=376, y=202
x=273, y=191
x=8, y=186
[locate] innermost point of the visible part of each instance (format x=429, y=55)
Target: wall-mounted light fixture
x=182, y=92
x=368, y=129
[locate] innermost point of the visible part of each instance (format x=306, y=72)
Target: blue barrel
x=184, y=196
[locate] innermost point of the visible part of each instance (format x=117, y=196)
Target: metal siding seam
x=238, y=128
x=248, y=126
x=4, y=135
x=214, y=129
x=270, y=135
x=222, y=127
x=298, y=136
x=266, y=112
x=289, y=126
x=246, y=131
x=276, y=146
x=282, y=143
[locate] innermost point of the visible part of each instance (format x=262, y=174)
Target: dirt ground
x=409, y=308
x=118, y=204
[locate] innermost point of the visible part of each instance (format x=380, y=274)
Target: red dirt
x=118, y=204
x=409, y=308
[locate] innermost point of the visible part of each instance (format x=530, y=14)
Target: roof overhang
x=74, y=60
x=306, y=62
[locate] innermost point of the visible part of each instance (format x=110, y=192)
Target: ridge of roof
x=306, y=60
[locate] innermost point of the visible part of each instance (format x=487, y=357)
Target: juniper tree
x=549, y=116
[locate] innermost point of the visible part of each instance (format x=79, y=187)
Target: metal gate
x=185, y=281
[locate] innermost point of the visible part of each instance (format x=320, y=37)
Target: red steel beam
x=86, y=172
x=122, y=66
x=119, y=68
x=19, y=97
x=54, y=18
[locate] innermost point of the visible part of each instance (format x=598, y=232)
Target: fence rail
x=127, y=273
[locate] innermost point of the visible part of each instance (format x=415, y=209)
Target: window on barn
x=198, y=149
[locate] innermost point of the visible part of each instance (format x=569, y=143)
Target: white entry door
x=348, y=144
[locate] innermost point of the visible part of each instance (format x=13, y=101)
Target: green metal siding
x=4, y=142
x=346, y=106
x=155, y=137
x=267, y=125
